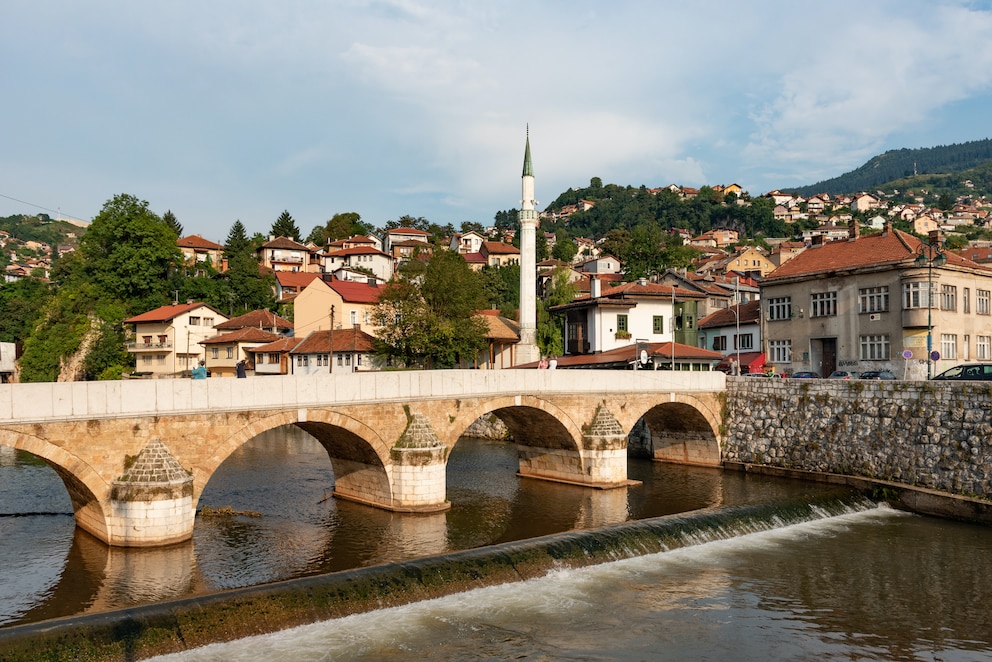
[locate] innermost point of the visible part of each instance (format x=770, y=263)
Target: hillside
x=946, y=166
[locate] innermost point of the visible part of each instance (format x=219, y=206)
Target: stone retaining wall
x=931, y=435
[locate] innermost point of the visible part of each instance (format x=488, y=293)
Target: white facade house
x=360, y=258
x=166, y=340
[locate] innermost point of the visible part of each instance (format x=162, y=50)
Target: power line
x=31, y=204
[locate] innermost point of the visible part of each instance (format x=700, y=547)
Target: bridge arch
x=359, y=456
x=684, y=430
x=88, y=491
x=531, y=420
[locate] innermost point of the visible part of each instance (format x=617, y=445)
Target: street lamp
x=931, y=254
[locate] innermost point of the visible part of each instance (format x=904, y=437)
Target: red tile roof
x=196, y=241
x=167, y=313
x=408, y=231
x=259, y=319
x=345, y=340
x=285, y=242
x=298, y=279
x=281, y=345
x=355, y=292
x=240, y=336
x=358, y=250
x=499, y=248
x=749, y=314
x=662, y=351
x=890, y=247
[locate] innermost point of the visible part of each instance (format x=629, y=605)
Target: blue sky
x=228, y=110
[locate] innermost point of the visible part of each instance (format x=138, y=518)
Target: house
x=785, y=251
x=196, y=249
x=502, y=336
x=617, y=316
x=341, y=350
x=273, y=358
x=746, y=260
x=828, y=232
x=864, y=202
x=715, y=239
x=284, y=254
x=499, y=254
x=404, y=243
x=360, y=258
x=925, y=224
x=734, y=189
x=468, y=242
x=166, y=341
x=603, y=264
x=224, y=351
x=735, y=331
x=864, y=304
x=324, y=304
x=291, y=283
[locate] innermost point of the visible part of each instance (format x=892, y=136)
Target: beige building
x=865, y=304
x=166, y=341
x=349, y=303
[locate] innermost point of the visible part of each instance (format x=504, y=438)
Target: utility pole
x=330, y=342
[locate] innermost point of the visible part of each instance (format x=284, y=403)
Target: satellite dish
x=644, y=357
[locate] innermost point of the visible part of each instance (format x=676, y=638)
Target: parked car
x=967, y=371
x=878, y=374
x=805, y=375
x=842, y=374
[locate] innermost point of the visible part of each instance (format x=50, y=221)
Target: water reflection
x=285, y=476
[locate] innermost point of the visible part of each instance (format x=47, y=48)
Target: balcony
x=916, y=318
x=147, y=346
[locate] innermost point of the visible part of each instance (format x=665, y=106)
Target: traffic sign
x=934, y=355
x=907, y=354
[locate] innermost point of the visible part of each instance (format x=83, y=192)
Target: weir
x=180, y=625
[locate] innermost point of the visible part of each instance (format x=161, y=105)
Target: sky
x=239, y=109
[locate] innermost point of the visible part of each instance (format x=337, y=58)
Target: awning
x=750, y=362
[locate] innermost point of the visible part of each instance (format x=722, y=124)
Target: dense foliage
x=427, y=314
x=900, y=164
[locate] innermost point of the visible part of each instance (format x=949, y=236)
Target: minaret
x=527, y=350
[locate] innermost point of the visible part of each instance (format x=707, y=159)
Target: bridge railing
x=26, y=403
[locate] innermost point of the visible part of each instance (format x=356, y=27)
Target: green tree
x=427, y=314
x=502, y=288
x=565, y=248
x=22, y=303
x=170, y=219
x=237, y=240
x=285, y=226
x=128, y=253
x=559, y=290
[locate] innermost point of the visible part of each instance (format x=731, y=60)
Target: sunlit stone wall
x=933, y=435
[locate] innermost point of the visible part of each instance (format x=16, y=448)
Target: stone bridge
x=136, y=455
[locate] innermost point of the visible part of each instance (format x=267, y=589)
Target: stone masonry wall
x=926, y=434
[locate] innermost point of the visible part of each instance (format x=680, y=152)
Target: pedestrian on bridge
x=200, y=371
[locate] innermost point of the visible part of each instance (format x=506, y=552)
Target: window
x=780, y=308
x=966, y=300
x=230, y=352
x=744, y=341
x=780, y=350
x=948, y=297
x=621, y=323
x=874, y=348
x=306, y=360
x=966, y=348
x=719, y=343
x=823, y=304
x=982, y=302
x=163, y=339
x=983, y=347
x=873, y=299
x=354, y=317
x=340, y=361
x=273, y=358
x=948, y=346
x=915, y=295
x=299, y=361
x=147, y=339
x=214, y=353
x=658, y=324
x=194, y=321
x=208, y=321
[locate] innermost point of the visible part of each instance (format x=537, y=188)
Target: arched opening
x=675, y=432
x=37, y=531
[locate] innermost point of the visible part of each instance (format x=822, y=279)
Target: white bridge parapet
x=61, y=401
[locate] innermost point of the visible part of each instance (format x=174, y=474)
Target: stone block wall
x=926, y=434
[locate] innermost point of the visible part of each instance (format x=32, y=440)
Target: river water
x=870, y=584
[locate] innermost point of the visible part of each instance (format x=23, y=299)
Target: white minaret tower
x=527, y=350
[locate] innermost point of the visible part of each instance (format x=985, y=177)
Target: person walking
x=200, y=371
x=240, y=369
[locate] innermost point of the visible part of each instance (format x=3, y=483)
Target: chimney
x=854, y=229
x=642, y=281
x=594, y=287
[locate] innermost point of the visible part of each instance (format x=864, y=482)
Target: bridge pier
x=151, y=503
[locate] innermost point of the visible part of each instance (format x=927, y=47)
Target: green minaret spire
x=528, y=167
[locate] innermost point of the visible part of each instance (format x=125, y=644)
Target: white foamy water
x=607, y=611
